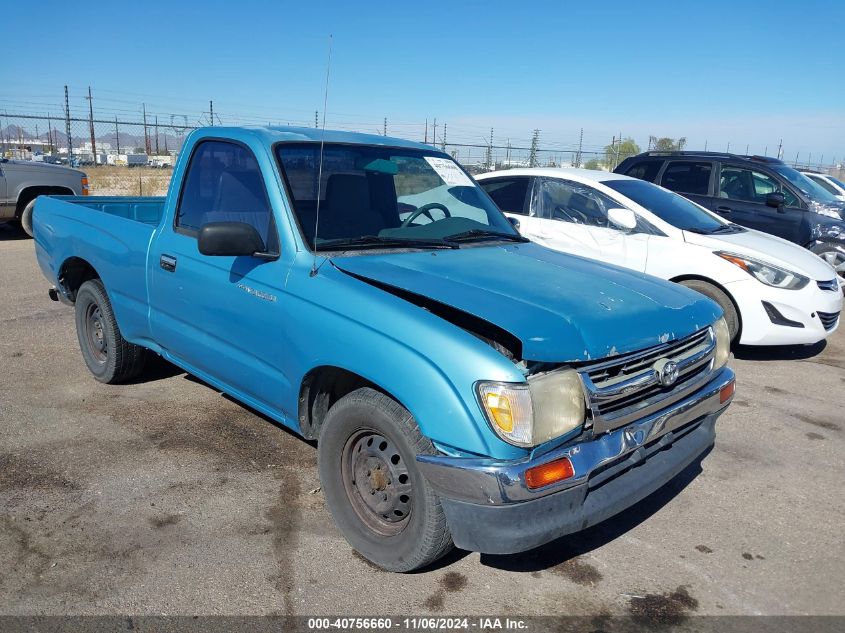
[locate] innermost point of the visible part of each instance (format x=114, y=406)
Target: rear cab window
x=224, y=183
x=691, y=177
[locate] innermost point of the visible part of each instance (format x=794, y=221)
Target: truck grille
x=828, y=319
x=628, y=387
x=832, y=284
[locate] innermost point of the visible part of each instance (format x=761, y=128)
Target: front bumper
x=799, y=306
x=490, y=509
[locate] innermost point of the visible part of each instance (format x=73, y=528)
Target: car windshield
x=811, y=189
x=386, y=197
x=669, y=207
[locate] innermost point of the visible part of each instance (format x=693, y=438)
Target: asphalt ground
x=166, y=497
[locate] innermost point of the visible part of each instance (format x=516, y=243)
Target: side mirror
x=232, y=239
x=513, y=221
x=623, y=218
x=775, y=200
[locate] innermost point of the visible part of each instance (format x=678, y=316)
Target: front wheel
x=26, y=218
x=109, y=356
x=833, y=254
x=377, y=496
x=716, y=294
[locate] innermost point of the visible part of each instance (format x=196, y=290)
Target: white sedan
x=834, y=186
x=773, y=292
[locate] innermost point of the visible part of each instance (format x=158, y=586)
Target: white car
x=831, y=184
x=773, y=292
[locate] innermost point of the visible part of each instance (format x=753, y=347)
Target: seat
x=348, y=209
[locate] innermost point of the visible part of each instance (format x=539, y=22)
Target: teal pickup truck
x=465, y=386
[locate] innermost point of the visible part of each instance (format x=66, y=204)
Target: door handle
x=168, y=263
x=723, y=210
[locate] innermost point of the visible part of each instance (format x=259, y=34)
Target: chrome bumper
x=499, y=482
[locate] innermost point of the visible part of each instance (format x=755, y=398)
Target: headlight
x=723, y=342
x=768, y=274
x=547, y=407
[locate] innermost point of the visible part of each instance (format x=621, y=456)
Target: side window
x=223, y=183
x=687, y=177
x=747, y=185
x=508, y=193
x=645, y=170
x=572, y=202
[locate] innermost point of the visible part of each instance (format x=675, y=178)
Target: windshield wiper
x=477, y=235
x=728, y=228
x=374, y=241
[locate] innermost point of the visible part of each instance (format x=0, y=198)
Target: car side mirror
x=513, y=221
x=623, y=218
x=232, y=239
x=775, y=200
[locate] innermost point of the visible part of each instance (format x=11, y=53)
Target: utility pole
x=508, y=154
x=385, y=126
x=67, y=130
x=443, y=145
x=146, y=135
x=156, y=124
x=795, y=164
x=116, y=134
x=489, y=157
x=425, y=140
x=50, y=132
x=91, y=125
x=705, y=145
x=729, y=148
x=211, y=111
x=316, y=118
x=780, y=149
x=535, y=145
x=580, y=146
x=746, y=149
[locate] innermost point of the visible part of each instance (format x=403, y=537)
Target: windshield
x=669, y=207
x=811, y=189
x=386, y=197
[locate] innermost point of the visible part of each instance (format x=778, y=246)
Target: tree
x=593, y=163
x=666, y=144
x=616, y=152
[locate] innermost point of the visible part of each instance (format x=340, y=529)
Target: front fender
x=428, y=364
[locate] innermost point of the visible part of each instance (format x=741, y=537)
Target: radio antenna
x=314, y=267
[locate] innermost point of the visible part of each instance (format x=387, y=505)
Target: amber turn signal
x=726, y=392
x=549, y=473
x=84, y=186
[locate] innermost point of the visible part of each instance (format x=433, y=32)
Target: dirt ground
x=166, y=497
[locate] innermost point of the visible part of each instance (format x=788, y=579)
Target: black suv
x=754, y=191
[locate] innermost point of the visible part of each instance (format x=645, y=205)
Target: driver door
x=572, y=218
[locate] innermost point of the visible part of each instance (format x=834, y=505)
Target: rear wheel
x=833, y=254
x=377, y=496
x=26, y=218
x=720, y=297
x=109, y=356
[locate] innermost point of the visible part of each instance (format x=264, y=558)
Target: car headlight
x=723, y=343
x=765, y=273
x=547, y=407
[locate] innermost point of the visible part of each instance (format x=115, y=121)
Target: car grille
x=828, y=319
x=832, y=284
x=629, y=387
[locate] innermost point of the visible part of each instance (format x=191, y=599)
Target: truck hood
x=562, y=308
x=767, y=248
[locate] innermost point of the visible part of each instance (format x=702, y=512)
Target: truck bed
x=111, y=234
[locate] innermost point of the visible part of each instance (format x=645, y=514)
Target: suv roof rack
x=754, y=157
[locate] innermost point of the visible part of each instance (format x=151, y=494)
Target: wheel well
x=30, y=193
x=707, y=280
x=73, y=273
x=321, y=388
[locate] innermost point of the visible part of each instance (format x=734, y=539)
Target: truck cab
x=465, y=386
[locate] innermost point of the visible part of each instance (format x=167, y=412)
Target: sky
x=746, y=73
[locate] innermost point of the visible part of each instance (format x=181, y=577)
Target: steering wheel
x=425, y=209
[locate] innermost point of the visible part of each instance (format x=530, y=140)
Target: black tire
x=26, y=218
x=720, y=297
x=833, y=254
x=408, y=529
x=109, y=356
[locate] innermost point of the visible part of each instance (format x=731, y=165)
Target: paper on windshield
x=449, y=172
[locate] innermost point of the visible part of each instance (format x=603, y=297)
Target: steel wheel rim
x=95, y=333
x=377, y=482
